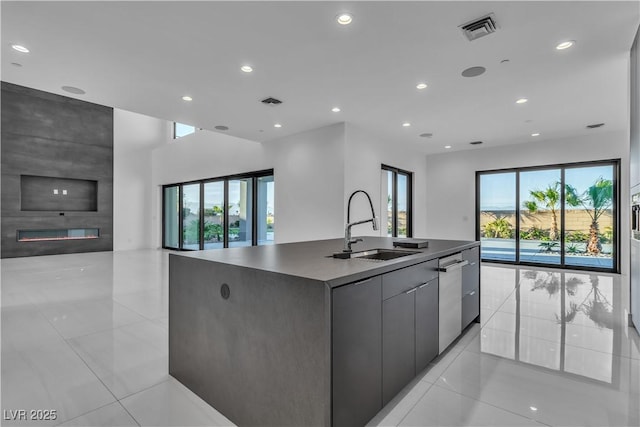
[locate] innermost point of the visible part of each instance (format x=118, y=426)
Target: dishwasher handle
x=454, y=266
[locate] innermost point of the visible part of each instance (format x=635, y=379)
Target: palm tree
x=550, y=200
x=596, y=200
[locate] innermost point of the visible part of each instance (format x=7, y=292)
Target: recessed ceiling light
x=406, y=124
x=533, y=408
x=421, y=86
x=521, y=101
x=74, y=90
x=277, y=125
x=565, y=45
x=447, y=146
x=20, y=48
x=335, y=109
x=344, y=18
x=187, y=98
x=246, y=68
x=535, y=134
x=221, y=127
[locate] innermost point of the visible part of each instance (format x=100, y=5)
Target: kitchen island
x=288, y=335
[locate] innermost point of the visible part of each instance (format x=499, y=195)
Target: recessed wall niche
x=45, y=193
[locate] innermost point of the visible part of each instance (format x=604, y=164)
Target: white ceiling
x=144, y=56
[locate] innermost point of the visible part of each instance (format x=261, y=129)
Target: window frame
x=615, y=207
x=409, y=175
x=175, y=134
x=225, y=179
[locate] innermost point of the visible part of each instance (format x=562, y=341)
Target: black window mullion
x=225, y=215
x=517, y=232
x=562, y=219
x=254, y=211
x=409, y=205
x=180, y=219
x=394, y=208
x=201, y=217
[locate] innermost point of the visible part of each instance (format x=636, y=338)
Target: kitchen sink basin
x=375, y=254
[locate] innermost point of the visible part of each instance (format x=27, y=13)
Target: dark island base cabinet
x=409, y=336
x=356, y=355
x=384, y=332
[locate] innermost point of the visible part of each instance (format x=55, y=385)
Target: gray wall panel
x=49, y=135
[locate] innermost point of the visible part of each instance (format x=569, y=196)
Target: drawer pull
x=410, y=291
x=423, y=285
x=454, y=266
x=362, y=281
x=473, y=263
x=472, y=293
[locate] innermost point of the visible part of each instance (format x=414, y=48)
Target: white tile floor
x=86, y=335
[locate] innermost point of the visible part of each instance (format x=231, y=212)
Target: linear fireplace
x=59, y=234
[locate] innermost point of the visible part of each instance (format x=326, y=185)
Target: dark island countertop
x=313, y=259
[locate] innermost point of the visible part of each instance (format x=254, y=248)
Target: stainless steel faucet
x=347, y=229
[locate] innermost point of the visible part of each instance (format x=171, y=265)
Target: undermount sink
x=375, y=254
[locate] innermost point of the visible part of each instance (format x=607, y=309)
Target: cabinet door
x=426, y=324
x=471, y=271
x=398, y=343
x=635, y=283
x=356, y=352
x=470, y=307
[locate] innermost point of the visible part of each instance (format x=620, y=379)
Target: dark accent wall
x=58, y=138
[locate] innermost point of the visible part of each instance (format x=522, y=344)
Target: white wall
x=451, y=178
x=309, y=189
x=364, y=155
x=308, y=168
x=201, y=155
x=133, y=137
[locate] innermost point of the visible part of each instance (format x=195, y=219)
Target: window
x=171, y=214
x=180, y=130
x=219, y=212
x=564, y=215
x=397, y=191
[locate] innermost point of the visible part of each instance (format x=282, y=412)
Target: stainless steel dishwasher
x=450, y=305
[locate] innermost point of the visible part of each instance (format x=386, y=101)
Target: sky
x=497, y=191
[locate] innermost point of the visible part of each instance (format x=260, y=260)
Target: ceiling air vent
x=594, y=126
x=271, y=101
x=475, y=142
x=479, y=27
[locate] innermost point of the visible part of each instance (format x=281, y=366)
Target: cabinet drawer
x=472, y=255
x=470, y=307
x=399, y=281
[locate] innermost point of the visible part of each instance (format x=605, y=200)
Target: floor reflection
x=560, y=320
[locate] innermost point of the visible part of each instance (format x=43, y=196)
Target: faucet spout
x=347, y=230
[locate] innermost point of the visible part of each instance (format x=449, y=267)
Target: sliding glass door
x=240, y=212
x=219, y=212
x=171, y=213
x=497, y=216
x=265, y=211
x=589, y=216
x=191, y=216
x=539, y=230
x=213, y=235
x=564, y=215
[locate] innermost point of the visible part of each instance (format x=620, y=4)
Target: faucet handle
x=375, y=223
x=356, y=240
